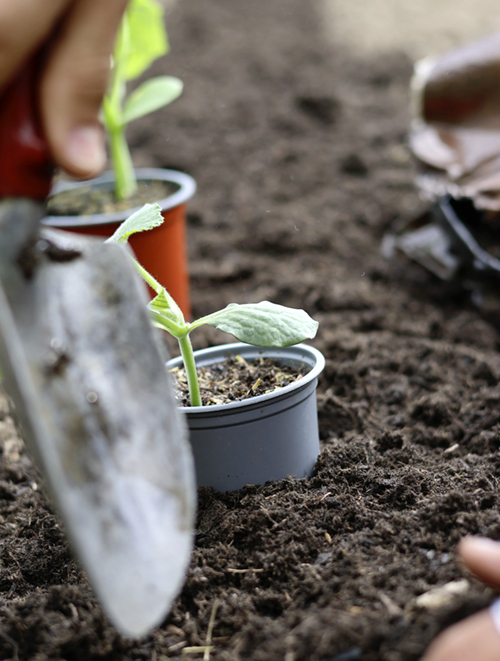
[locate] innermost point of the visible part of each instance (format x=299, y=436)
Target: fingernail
x=85, y=149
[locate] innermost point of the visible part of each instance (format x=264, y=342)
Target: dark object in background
x=449, y=241
x=455, y=138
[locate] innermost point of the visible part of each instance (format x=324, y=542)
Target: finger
x=482, y=557
x=24, y=25
x=475, y=638
x=74, y=83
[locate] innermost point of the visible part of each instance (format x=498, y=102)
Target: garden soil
x=299, y=151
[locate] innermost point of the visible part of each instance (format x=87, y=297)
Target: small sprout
x=256, y=384
x=141, y=40
x=262, y=324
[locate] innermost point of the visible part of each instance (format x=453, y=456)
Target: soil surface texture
x=235, y=379
x=299, y=151
x=85, y=201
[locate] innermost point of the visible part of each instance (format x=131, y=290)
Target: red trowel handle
x=26, y=167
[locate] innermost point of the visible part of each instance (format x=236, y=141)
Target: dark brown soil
x=301, y=161
x=235, y=379
x=85, y=201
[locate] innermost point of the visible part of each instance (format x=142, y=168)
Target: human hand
x=475, y=638
x=81, y=35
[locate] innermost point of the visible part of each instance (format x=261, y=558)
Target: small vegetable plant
x=262, y=324
x=142, y=38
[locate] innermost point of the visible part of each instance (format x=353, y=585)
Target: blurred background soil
x=294, y=123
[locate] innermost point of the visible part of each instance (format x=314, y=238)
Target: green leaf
x=150, y=96
x=147, y=36
x=167, y=314
x=263, y=324
x=146, y=218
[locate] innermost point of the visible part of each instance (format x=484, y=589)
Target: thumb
x=74, y=82
x=482, y=557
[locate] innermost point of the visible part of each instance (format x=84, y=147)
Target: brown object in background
x=455, y=132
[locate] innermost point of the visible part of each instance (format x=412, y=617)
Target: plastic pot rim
x=186, y=183
x=295, y=352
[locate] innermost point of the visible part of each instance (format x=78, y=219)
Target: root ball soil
x=299, y=151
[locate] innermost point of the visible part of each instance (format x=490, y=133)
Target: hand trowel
x=86, y=373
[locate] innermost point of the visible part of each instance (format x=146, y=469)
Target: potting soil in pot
x=299, y=151
x=235, y=379
x=86, y=201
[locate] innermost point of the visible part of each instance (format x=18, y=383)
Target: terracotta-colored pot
x=162, y=251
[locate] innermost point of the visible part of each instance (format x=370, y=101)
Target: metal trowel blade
x=86, y=372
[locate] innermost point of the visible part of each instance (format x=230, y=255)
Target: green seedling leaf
x=150, y=96
x=146, y=218
x=167, y=314
x=263, y=324
x=147, y=36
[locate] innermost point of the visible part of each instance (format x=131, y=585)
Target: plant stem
x=190, y=367
x=126, y=184
x=152, y=282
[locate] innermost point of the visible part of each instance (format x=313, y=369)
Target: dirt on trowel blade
x=85, y=370
x=455, y=133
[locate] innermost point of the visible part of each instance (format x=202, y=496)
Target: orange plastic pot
x=162, y=251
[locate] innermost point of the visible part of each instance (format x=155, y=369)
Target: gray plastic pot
x=263, y=438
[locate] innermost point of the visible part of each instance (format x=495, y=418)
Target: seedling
x=142, y=39
x=262, y=324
